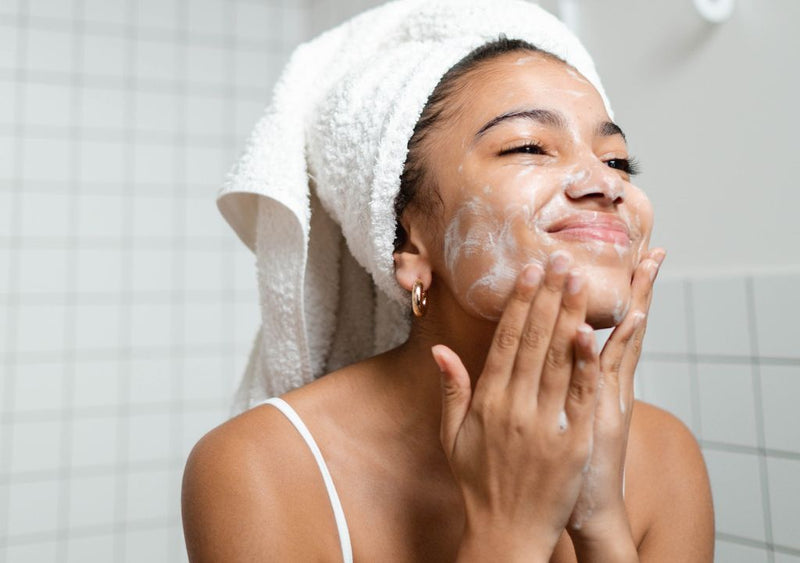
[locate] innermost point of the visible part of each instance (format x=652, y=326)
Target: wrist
x=605, y=540
x=494, y=541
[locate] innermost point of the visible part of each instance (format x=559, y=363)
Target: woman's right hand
x=519, y=442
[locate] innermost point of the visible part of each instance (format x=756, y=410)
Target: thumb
x=456, y=394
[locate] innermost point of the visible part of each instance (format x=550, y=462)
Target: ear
x=412, y=260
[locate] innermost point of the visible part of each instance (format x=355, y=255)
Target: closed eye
x=527, y=148
x=628, y=165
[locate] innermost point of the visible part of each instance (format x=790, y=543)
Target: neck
x=413, y=378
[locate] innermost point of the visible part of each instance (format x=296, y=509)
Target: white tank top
x=338, y=513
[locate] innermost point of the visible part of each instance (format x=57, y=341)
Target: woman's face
x=531, y=164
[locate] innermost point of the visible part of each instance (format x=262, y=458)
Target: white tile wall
x=719, y=309
x=728, y=552
x=777, y=302
x=780, y=390
x=727, y=404
x=784, y=498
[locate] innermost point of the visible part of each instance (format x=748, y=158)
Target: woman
x=497, y=429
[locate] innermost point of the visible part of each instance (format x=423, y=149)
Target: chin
x=608, y=303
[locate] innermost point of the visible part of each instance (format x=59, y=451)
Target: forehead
x=525, y=79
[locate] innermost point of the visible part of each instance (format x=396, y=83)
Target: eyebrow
x=549, y=118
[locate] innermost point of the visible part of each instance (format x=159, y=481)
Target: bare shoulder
x=251, y=487
x=668, y=474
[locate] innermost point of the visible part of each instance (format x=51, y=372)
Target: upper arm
x=677, y=491
x=246, y=495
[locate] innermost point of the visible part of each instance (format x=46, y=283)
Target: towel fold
x=313, y=193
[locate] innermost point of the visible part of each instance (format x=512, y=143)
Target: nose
x=595, y=181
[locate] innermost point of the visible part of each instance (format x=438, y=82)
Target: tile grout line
x=12, y=301
x=70, y=315
x=752, y=319
x=691, y=347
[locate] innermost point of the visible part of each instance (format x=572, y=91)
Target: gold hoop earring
x=419, y=299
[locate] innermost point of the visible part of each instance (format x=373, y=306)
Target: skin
x=498, y=431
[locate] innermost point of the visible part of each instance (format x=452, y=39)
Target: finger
x=560, y=355
x=456, y=394
x=538, y=328
x=505, y=342
x=613, y=352
x=633, y=351
x=579, y=404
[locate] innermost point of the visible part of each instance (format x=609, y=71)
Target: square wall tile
x=99, y=270
x=736, y=489
x=48, y=50
x=244, y=267
x=33, y=509
x=100, y=215
x=103, y=162
x=151, y=325
x=46, y=159
x=47, y=104
x=149, y=437
x=777, y=304
x=40, y=328
x=157, y=111
x=8, y=164
x=105, y=55
x=81, y=549
x=96, y=384
x=42, y=550
x=153, y=216
x=207, y=64
x=203, y=270
x=209, y=17
x=156, y=60
x=203, y=219
x=780, y=388
x=103, y=108
x=60, y=9
x=202, y=323
x=246, y=115
x=95, y=441
x=39, y=386
x=207, y=115
x=786, y=558
x=668, y=385
x=147, y=495
x=43, y=270
x=155, y=164
x=157, y=14
x=152, y=270
x=151, y=381
x=107, y=11
x=666, y=323
x=97, y=327
x=720, y=316
x=36, y=445
x=147, y=545
x=92, y=500
x=727, y=408
x=45, y=215
x=255, y=20
x=727, y=552
x=9, y=43
x=206, y=166
x=784, y=500
x=203, y=379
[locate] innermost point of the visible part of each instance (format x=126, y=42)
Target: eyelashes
x=629, y=166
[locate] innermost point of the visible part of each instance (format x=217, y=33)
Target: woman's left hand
x=599, y=516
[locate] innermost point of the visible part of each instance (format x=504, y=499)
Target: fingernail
x=437, y=359
x=653, y=270
x=659, y=257
x=559, y=261
x=638, y=318
x=574, y=282
x=532, y=274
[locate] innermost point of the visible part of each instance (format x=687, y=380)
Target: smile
x=588, y=227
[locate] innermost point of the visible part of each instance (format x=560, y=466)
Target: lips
x=602, y=227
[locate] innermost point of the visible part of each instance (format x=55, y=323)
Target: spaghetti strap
x=338, y=513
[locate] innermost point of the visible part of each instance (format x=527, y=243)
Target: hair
x=416, y=188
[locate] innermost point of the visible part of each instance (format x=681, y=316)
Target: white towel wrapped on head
x=313, y=193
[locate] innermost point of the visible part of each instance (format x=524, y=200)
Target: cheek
x=484, y=252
